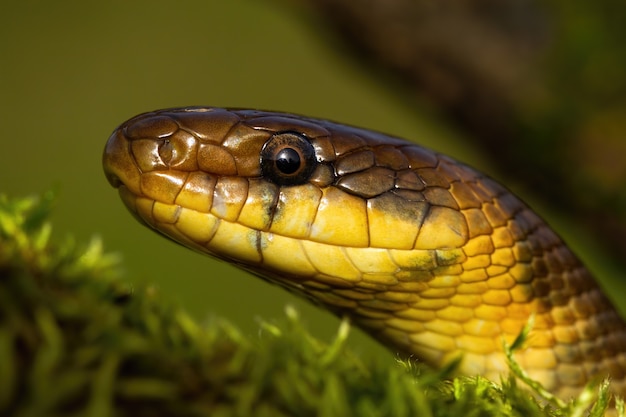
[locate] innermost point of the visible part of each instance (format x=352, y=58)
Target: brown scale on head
x=431, y=257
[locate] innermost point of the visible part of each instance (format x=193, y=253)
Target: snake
x=432, y=258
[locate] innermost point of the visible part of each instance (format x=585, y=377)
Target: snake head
x=289, y=176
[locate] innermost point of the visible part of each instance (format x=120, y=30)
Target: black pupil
x=288, y=160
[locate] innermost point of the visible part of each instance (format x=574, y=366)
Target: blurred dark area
x=540, y=87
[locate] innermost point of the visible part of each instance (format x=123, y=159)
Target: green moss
x=78, y=340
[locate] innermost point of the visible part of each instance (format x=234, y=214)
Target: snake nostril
x=166, y=151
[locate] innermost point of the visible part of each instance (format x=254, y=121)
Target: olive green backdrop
x=71, y=71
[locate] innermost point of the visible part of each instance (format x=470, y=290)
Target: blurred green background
x=71, y=71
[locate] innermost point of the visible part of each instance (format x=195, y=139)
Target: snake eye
x=287, y=158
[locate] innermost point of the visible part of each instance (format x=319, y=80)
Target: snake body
x=431, y=257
